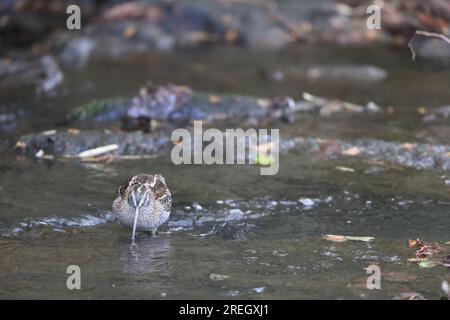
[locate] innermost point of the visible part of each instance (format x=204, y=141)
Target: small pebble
x=258, y=290
x=196, y=206
x=306, y=202
x=39, y=154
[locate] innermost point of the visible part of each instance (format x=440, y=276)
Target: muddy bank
x=111, y=29
x=155, y=25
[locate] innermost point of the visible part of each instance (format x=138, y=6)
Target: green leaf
x=262, y=160
x=427, y=264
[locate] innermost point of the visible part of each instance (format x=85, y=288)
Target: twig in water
x=426, y=34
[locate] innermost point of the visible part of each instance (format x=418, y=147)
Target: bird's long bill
x=136, y=215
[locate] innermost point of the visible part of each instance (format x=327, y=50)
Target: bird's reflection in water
x=146, y=255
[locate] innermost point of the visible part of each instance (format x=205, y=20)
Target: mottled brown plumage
x=143, y=202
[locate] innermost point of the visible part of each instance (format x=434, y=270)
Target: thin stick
x=426, y=34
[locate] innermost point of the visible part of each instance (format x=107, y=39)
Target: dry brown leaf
x=230, y=36
x=422, y=110
x=227, y=18
x=408, y=146
x=73, y=131
x=376, y=162
x=20, y=144
x=129, y=31
x=263, y=103
x=412, y=243
x=213, y=99
x=335, y=238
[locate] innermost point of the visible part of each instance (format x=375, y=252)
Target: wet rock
x=430, y=48
x=25, y=22
x=437, y=115
x=401, y=18
x=364, y=73
x=68, y=144
x=76, y=52
x=139, y=27
x=171, y=102
x=43, y=72
x=162, y=102
x=233, y=231
x=417, y=155
x=8, y=122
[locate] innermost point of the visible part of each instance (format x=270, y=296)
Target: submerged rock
x=171, y=102
x=364, y=73
x=440, y=114
x=413, y=155
x=134, y=27
x=70, y=144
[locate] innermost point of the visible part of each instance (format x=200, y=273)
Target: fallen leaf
x=227, y=18
x=230, y=36
x=219, y=277
x=408, y=146
x=263, y=160
x=334, y=238
x=213, y=99
x=73, y=131
x=376, y=162
x=129, y=31
x=20, y=144
x=422, y=110
x=411, y=243
x=428, y=264
x=353, y=151
x=263, y=103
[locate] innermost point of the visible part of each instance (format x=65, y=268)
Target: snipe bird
x=143, y=203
